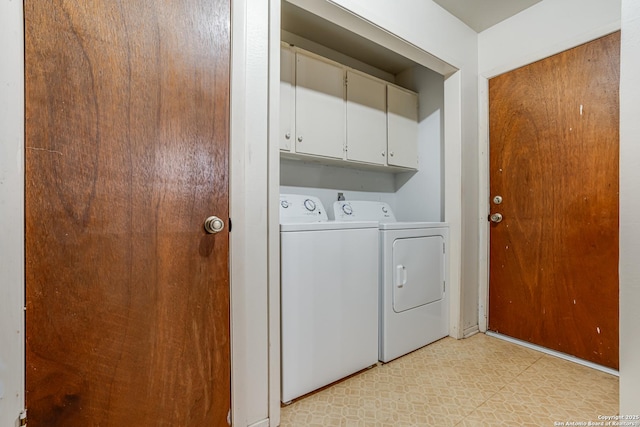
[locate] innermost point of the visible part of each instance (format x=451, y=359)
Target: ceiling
x=482, y=14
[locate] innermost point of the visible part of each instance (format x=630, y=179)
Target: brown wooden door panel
x=554, y=160
x=127, y=110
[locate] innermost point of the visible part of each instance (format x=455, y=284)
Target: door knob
x=213, y=225
x=496, y=217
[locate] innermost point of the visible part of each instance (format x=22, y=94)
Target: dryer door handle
x=401, y=275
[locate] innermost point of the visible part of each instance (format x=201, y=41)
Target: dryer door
x=418, y=271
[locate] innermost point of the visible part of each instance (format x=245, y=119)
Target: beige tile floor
x=478, y=381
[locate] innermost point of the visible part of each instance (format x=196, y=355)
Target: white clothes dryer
x=329, y=296
x=414, y=303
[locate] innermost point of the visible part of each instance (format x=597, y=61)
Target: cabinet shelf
x=328, y=161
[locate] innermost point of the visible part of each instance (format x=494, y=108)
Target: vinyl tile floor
x=475, y=382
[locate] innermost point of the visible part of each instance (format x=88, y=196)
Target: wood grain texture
x=127, y=123
x=554, y=149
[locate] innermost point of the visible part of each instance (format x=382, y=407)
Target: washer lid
x=328, y=225
x=410, y=225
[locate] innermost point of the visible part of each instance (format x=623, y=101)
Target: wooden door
x=127, y=110
x=554, y=161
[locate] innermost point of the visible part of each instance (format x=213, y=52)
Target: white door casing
x=11, y=213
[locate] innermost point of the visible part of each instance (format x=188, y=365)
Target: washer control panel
x=297, y=208
x=361, y=210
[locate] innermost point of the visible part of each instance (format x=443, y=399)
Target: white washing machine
x=414, y=303
x=329, y=296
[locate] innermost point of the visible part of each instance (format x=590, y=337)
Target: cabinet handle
x=391, y=153
x=287, y=135
x=299, y=139
x=383, y=154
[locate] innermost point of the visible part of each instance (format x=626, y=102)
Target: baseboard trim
x=555, y=353
x=470, y=331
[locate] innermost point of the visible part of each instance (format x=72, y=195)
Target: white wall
x=420, y=195
x=325, y=182
x=11, y=213
x=629, y=209
x=542, y=30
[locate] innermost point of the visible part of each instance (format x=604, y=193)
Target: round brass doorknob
x=496, y=217
x=213, y=225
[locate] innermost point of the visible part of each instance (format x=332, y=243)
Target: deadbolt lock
x=497, y=200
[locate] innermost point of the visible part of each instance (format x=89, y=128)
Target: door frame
x=254, y=252
x=483, y=136
x=12, y=214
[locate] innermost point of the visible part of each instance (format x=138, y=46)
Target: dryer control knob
x=310, y=205
x=347, y=209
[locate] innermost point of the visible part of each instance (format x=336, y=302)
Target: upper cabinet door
x=402, y=127
x=320, y=107
x=287, y=97
x=366, y=119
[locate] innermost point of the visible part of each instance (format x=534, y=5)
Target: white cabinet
x=402, y=127
x=366, y=119
x=333, y=114
x=287, y=97
x=320, y=107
